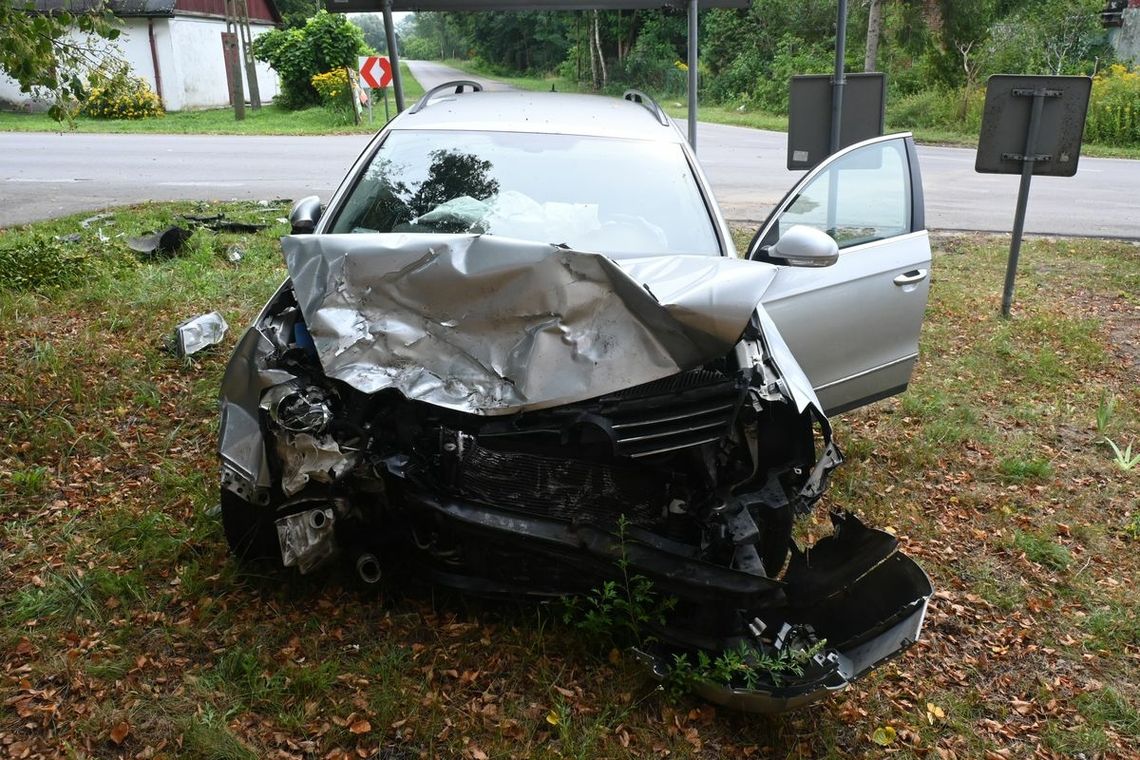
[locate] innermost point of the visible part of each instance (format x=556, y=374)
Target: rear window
x=606, y=195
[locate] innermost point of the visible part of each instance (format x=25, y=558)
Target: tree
x=50, y=54
x=296, y=13
x=326, y=42
x=372, y=24
x=874, y=31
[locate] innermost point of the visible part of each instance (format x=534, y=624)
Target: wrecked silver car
x=521, y=320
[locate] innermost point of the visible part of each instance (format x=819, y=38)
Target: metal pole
x=840, y=79
x=693, y=74
x=1027, y=163
x=393, y=55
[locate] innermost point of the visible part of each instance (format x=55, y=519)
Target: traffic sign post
x=375, y=71
x=1030, y=125
x=376, y=74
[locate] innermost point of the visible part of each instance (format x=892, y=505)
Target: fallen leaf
x=119, y=732
x=360, y=727
x=884, y=736
x=552, y=718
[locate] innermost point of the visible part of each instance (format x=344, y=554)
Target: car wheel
x=249, y=529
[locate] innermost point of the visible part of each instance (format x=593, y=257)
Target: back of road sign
x=1005, y=123
x=809, y=115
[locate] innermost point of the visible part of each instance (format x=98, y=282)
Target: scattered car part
x=219, y=223
x=197, y=333
x=167, y=242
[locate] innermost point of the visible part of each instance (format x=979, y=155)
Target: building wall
x=192, y=52
x=190, y=59
x=1126, y=38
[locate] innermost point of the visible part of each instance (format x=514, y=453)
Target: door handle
x=911, y=277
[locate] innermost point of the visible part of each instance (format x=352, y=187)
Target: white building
x=176, y=46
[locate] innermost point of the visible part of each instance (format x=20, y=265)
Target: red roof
x=263, y=11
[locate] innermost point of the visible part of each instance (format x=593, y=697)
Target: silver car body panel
x=490, y=325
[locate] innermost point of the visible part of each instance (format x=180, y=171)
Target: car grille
x=685, y=410
x=564, y=489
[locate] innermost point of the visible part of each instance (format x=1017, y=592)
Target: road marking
x=45, y=181
x=201, y=184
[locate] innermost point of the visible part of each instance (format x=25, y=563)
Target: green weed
x=1123, y=458
x=1043, y=551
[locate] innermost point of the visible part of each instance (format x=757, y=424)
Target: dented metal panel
x=491, y=325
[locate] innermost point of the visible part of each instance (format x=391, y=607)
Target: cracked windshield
x=592, y=194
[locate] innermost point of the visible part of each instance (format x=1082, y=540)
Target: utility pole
x=242, y=8
x=233, y=66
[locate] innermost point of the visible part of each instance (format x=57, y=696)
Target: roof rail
x=639, y=97
x=458, y=84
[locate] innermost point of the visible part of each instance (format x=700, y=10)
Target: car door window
x=858, y=198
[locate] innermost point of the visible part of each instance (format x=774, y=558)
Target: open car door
x=854, y=325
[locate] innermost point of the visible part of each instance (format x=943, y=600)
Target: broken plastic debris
x=168, y=241
x=219, y=223
x=98, y=217
x=234, y=254
x=197, y=333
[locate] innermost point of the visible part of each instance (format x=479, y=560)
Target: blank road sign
x=1005, y=121
x=809, y=115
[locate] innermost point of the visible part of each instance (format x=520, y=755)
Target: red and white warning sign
x=375, y=71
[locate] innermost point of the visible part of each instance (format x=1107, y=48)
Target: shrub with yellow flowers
x=117, y=94
x=335, y=91
x=1114, y=107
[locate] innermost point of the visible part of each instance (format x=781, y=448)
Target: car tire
x=249, y=530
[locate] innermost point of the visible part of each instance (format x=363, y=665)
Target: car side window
x=859, y=198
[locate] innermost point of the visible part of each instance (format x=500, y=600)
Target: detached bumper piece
x=852, y=590
x=852, y=597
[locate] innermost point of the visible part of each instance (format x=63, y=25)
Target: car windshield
x=631, y=197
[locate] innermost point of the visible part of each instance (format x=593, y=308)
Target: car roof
x=540, y=112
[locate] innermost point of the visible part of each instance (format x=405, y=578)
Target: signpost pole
x=387, y=118
x=692, y=61
x=393, y=55
x=840, y=79
x=1028, y=159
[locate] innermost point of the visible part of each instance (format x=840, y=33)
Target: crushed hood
x=492, y=325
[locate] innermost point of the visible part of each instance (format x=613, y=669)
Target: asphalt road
x=45, y=174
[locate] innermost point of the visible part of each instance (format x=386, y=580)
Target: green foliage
x=1114, y=110
x=1042, y=550
x=1123, y=457
x=119, y=95
x=49, y=53
x=296, y=13
x=745, y=667
x=620, y=611
x=327, y=41
x=1105, y=411
x=959, y=108
x=38, y=263
x=336, y=93
x=372, y=27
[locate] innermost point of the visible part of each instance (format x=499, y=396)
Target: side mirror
x=803, y=246
x=305, y=215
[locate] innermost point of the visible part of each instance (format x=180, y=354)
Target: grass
x=269, y=120
x=748, y=116
x=118, y=603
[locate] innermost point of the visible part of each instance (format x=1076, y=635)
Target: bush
x=118, y=95
x=1114, y=110
x=336, y=93
x=41, y=263
x=326, y=42
x=958, y=110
